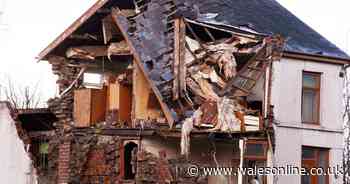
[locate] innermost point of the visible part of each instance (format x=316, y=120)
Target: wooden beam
x=176, y=61
x=85, y=37
x=118, y=48
x=182, y=66
x=86, y=52
x=179, y=67
x=193, y=33
x=107, y=29
x=209, y=34
x=165, y=108
x=127, y=132
x=91, y=52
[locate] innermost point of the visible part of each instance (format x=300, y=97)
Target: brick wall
x=97, y=169
x=63, y=162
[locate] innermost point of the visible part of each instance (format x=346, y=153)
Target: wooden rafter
x=179, y=67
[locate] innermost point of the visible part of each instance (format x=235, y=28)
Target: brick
x=63, y=162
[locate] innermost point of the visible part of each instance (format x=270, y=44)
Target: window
x=310, y=98
x=315, y=158
x=40, y=150
x=43, y=154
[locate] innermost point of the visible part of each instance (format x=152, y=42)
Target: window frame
x=317, y=90
x=315, y=159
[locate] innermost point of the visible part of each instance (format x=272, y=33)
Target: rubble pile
x=211, y=68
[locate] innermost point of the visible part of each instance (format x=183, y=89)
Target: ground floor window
x=43, y=154
x=40, y=150
x=315, y=158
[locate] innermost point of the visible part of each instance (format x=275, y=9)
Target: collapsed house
x=147, y=87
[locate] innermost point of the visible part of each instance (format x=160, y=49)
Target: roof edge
x=316, y=58
x=73, y=27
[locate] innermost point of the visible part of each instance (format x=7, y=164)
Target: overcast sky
x=29, y=26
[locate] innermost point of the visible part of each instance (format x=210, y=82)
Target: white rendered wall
x=291, y=134
x=15, y=164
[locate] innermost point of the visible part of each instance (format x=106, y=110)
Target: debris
x=206, y=88
x=118, y=48
x=186, y=129
x=74, y=82
x=211, y=74
x=86, y=52
x=227, y=120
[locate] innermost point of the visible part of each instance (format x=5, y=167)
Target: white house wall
x=291, y=134
x=15, y=162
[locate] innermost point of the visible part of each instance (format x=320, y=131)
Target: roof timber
x=71, y=29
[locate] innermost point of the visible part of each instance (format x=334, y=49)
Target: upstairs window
x=311, y=98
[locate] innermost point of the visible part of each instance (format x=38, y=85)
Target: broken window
x=315, y=158
x=130, y=151
x=310, y=97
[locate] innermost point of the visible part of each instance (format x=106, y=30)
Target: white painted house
x=16, y=165
x=308, y=121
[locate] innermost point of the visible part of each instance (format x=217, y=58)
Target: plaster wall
x=15, y=162
x=291, y=133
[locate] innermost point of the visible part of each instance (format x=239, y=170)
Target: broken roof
x=269, y=17
x=263, y=16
